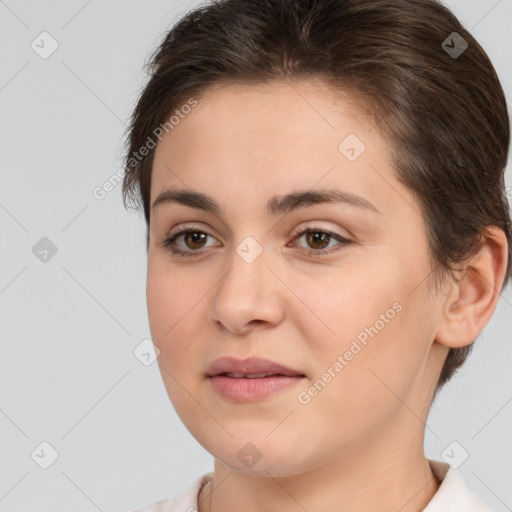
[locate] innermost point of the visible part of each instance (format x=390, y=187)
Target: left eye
x=320, y=237
x=195, y=239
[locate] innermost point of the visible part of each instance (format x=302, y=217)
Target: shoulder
x=184, y=502
x=453, y=495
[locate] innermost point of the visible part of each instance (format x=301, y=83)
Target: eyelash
x=169, y=242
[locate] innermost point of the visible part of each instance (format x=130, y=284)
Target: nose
x=248, y=296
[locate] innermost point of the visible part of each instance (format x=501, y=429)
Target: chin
x=258, y=455
x=266, y=466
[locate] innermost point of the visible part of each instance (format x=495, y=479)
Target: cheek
x=169, y=296
x=173, y=317
x=161, y=304
x=340, y=304
x=355, y=386
x=370, y=328
x=170, y=305
x=177, y=302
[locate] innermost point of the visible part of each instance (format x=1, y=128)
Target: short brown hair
x=443, y=114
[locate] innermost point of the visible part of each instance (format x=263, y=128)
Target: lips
x=249, y=375
x=251, y=368
x=251, y=380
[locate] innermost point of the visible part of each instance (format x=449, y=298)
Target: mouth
x=251, y=380
x=260, y=375
x=250, y=368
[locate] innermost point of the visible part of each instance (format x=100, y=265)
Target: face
x=335, y=290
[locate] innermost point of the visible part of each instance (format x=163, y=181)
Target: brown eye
x=318, y=240
x=195, y=239
x=192, y=241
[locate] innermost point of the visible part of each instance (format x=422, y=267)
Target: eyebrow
x=275, y=206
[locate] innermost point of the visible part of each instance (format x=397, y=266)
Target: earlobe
x=473, y=298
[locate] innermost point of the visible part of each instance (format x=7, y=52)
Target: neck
x=375, y=476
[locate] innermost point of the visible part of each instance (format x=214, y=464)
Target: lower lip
x=251, y=390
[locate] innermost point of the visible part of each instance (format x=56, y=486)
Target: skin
x=358, y=444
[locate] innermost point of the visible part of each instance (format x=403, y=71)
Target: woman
x=328, y=234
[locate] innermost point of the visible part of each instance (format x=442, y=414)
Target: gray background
x=69, y=326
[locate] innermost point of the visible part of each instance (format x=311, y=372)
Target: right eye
x=194, y=240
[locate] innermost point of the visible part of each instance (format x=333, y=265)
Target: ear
x=473, y=298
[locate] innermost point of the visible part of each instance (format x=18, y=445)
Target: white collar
x=453, y=494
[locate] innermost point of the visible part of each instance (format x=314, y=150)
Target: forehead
x=282, y=109
x=268, y=137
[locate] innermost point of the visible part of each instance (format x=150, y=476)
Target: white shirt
x=452, y=495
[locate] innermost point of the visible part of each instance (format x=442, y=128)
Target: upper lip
x=249, y=366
